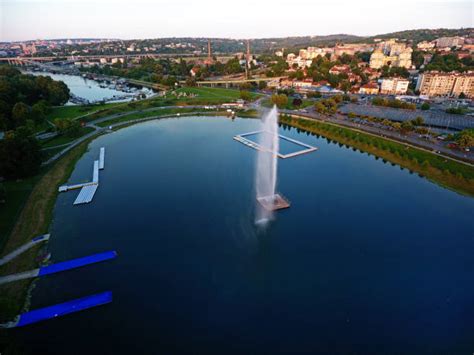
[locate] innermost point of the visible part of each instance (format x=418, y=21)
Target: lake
x=369, y=258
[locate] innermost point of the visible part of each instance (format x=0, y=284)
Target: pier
x=61, y=309
x=102, y=158
x=88, y=189
x=59, y=267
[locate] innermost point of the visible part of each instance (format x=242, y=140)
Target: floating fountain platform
x=243, y=138
x=273, y=202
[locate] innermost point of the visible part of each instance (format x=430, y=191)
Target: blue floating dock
x=62, y=309
x=75, y=263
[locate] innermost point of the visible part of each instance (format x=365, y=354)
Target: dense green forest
x=25, y=101
x=25, y=98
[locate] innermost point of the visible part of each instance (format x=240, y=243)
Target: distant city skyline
x=23, y=20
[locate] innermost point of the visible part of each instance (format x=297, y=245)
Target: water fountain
x=266, y=169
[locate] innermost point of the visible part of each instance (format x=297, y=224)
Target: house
x=340, y=69
x=194, y=71
x=370, y=88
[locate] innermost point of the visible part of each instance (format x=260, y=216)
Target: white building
x=425, y=45
x=394, y=86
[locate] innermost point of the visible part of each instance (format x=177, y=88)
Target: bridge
x=185, y=56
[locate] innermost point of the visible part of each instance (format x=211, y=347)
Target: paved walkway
x=9, y=257
x=19, y=276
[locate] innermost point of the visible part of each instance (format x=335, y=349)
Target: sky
x=125, y=19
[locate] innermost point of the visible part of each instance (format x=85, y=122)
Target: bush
x=425, y=106
x=281, y=100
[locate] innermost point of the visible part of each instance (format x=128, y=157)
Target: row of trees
x=380, y=101
x=26, y=98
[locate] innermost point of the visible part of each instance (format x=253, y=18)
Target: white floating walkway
x=242, y=139
x=95, y=173
x=23, y=248
x=102, y=158
x=88, y=189
x=86, y=194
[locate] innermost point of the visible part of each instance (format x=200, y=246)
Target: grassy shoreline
x=34, y=219
x=443, y=171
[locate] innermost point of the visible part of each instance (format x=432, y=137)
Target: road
x=412, y=139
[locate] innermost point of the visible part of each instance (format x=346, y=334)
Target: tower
x=247, y=61
x=209, y=51
x=209, y=60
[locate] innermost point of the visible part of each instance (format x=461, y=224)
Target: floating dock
x=59, y=267
x=242, y=138
x=63, y=309
x=76, y=263
x=95, y=172
x=86, y=194
x=88, y=189
x=102, y=158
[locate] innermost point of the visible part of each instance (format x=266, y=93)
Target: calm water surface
x=85, y=88
x=369, y=259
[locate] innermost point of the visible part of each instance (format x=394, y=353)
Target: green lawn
x=215, y=93
x=77, y=110
x=62, y=139
x=16, y=194
x=204, y=96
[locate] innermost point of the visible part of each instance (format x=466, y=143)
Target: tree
x=58, y=93
x=406, y=126
x=297, y=102
x=262, y=85
x=281, y=100
x=418, y=121
x=397, y=126
x=68, y=126
x=20, y=113
x=425, y=106
x=465, y=139
x=319, y=107
x=39, y=111
x=190, y=81
x=20, y=154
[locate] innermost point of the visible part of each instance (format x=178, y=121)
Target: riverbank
x=443, y=171
x=34, y=220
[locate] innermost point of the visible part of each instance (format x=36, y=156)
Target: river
x=91, y=90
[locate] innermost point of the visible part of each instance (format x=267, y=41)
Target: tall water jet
x=266, y=169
